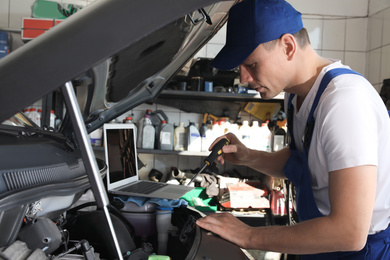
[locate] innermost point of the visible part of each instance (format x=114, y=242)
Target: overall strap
x=310, y=120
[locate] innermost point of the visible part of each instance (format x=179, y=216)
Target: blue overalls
x=297, y=171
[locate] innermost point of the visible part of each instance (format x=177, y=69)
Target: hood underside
x=128, y=49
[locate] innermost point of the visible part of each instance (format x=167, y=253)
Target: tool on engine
x=215, y=152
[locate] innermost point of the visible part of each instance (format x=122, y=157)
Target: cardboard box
x=243, y=195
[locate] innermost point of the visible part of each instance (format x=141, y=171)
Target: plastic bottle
x=52, y=119
x=179, y=140
x=148, y=133
x=140, y=127
x=256, y=136
x=27, y=112
x=193, y=138
x=203, y=138
x=266, y=138
x=226, y=126
x=39, y=117
x=245, y=133
x=278, y=139
x=166, y=136
x=129, y=120
x=216, y=131
x=33, y=115
x=234, y=129
x=96, y=137
x=221, y=124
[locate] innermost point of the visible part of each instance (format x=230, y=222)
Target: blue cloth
x=141, y=201
x=252, y=22
x=297, y=171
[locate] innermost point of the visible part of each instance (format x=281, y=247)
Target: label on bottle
x=96, y=137
x=166, y=138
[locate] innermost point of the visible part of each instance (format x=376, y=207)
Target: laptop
x=122, y=167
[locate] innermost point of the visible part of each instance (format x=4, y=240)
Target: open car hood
x=119, y=54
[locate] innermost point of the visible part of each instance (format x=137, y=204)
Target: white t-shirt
x=352, y=128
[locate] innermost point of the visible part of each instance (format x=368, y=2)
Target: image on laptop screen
x=121, y=155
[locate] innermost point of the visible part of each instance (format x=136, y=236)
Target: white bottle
x=33, y=115
x=203, y=138
x=129, y=120
x=179, y=140
x=234, y=129
x=226, y=126
x=39, y=117
x=256, y=136
x=216, y=130
x=148, y=133
x=266, y=138
x=245, y=133
x=52, y=119
x=166, y=136
x=27, y=112
x=140, y=126
x=96, y=137
x=278, y=140
x=193, y=138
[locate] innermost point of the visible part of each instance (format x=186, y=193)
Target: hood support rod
x=89, y=158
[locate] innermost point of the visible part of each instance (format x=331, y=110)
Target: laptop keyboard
x=144, y=187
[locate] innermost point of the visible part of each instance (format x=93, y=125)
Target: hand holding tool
x=215, y=152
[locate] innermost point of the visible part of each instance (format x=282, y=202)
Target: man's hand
x=228, y=227
x=235, y=153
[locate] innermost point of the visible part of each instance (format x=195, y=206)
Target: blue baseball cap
x=251, y=23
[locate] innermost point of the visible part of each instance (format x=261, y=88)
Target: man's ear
x=289, y=45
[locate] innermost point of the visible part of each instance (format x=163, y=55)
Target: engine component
x=19, y=250
x=41, y=233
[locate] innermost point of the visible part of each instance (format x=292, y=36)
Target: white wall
x=342, y=35
x=376, y=6
x=332, y=7
x=12, y=12
x=378, y=43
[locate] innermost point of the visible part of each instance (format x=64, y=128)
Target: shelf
x=215, y=103
x=171, y=152
x=174, y=94
x=155, y=151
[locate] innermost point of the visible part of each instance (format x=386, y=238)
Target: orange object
x=33, y=27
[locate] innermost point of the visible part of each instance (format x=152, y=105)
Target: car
x=100, y=62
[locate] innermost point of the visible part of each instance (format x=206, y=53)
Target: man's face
x=265, y=71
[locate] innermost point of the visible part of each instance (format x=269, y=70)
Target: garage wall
x=342, y=35
x=378, y=43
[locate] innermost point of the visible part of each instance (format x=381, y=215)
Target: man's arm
x=268, y=163
x=352, y=195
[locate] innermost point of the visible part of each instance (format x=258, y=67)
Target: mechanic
x=338, y=158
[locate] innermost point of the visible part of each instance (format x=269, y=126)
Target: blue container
x=208, y=86
x=4, y=48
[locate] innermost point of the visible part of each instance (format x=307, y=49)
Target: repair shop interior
x=109, y=110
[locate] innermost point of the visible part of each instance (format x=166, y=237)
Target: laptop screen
x=121, y=156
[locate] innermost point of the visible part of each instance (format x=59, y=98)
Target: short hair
x=302, y=38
